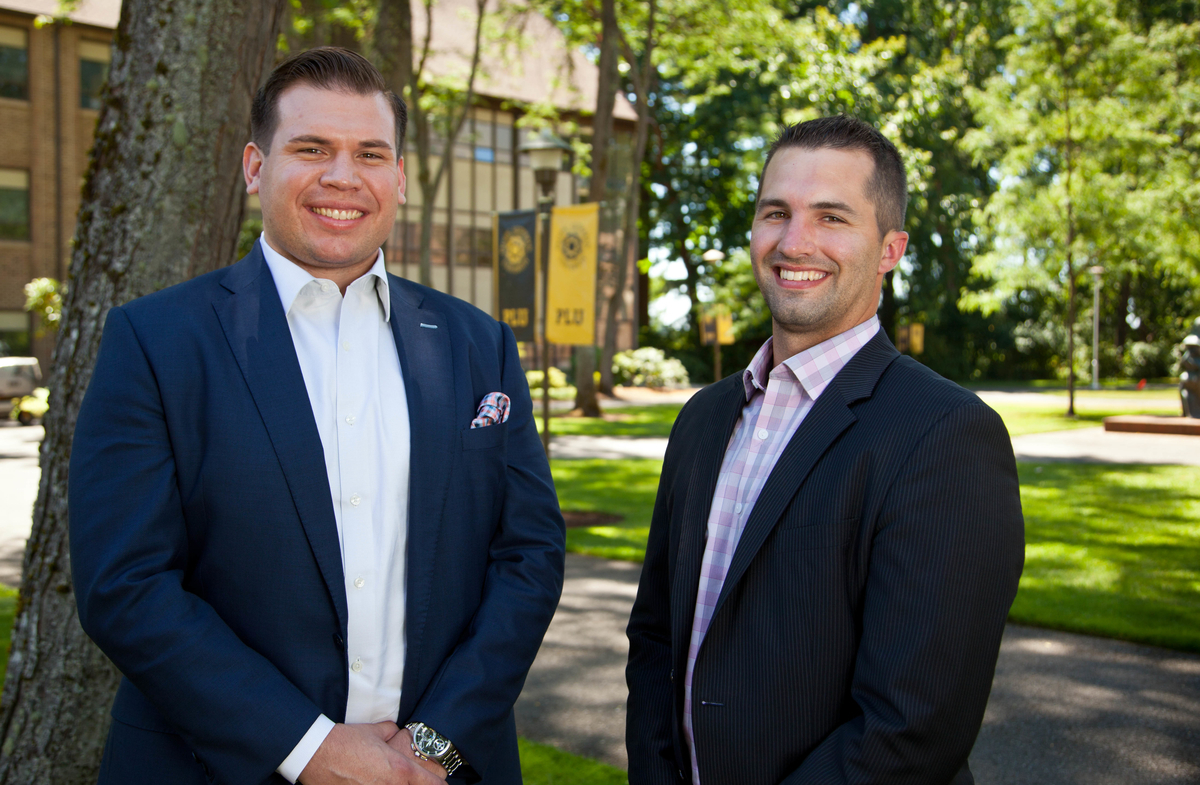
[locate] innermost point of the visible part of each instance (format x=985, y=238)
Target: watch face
x=430, y=743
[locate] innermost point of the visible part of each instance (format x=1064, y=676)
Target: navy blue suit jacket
x=205, y=551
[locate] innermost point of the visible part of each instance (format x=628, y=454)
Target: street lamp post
x=1096, y=272
x=546, y=153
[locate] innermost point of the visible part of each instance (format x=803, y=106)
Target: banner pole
x=545, y=205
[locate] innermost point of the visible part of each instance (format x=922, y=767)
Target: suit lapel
x=702, y=484
x=423, y=343
x=257, y=331
x=829, y=417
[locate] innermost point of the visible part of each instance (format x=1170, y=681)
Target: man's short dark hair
x=329, y=68
x=888, y=187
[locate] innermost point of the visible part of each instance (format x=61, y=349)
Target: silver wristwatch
x=428, y=744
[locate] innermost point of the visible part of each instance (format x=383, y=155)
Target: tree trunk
x=602, y=130
x=643, y=81
x=162, y=202
x=1070, y=338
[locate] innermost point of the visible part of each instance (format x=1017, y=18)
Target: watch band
x=450, y=760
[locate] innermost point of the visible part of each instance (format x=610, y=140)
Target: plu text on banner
x=515, y=271
x=571, y=293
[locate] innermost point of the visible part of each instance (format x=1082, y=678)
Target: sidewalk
x=1064, y=708
x=1085, y=445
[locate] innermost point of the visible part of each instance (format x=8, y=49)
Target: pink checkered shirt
x=777, y=401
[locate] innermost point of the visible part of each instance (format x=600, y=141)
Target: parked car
x=31, y=408
x=18, y=376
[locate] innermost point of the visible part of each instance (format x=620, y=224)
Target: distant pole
x=717, y=360
x=1096, y=272
x=545, y=157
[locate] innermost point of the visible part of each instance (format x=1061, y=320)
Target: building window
x=93, y=70
x=14, y=63
x=14, y=335
x=14, y=204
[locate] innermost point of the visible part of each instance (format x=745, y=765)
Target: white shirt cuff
x=293, y=765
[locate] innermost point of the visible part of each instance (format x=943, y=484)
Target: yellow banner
x=571, y=295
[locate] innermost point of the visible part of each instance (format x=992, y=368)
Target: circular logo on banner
x=514, y=250
x=572, y=248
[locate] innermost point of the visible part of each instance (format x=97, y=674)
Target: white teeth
x=801, y=275
x=338, y=215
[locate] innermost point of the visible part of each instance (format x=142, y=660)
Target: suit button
x=341, y=644
x=672, y=674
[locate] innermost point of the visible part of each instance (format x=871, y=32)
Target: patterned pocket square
x=493, y=409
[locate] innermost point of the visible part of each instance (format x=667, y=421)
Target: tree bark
x=602, y=131
x=643, y=79
x=162, y=202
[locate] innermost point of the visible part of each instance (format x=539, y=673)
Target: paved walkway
x=1065, y=709
x=1084, y=445
x=19, y=475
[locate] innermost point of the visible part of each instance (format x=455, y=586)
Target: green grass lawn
x=623, y=421
x=621, y=487
x=8, y=606
x=1110, y=550
x=544, y=765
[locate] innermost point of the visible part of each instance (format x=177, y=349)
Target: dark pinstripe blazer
x=855, y=637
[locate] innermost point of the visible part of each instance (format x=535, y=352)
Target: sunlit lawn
x=1091, y=407
x=1110, y=550
x=545, y=765
x=622, y=487
x=623, y=421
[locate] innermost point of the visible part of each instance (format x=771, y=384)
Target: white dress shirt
x=352, y=372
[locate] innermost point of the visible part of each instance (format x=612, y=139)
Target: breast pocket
x=829, y=534
x=484, y=438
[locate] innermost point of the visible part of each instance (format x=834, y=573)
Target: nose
x=798, y=239
x=341, y=173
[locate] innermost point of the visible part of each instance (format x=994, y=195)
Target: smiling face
x=331, y=182
x=816, y=248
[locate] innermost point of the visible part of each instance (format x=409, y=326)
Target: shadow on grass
x=625, y=487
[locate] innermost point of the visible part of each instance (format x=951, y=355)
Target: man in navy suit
x=838, y=536
x=308, y=501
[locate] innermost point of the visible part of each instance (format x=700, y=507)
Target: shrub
x=558, y=379
x=1148, y=360
x=648, y=367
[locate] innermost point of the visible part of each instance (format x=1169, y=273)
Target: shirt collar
x=812, y=368
x=290, y=278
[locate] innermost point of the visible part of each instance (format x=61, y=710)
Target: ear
x=894, y=245
x=401, y=184
x=252, y=161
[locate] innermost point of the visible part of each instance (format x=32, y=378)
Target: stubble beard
x=800, y=311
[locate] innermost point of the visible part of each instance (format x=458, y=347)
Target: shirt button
x=359, y=583
x=355, y=500
x=356, y=666
x=325, y=288
x=345, y=346
x=762, y=434
x=737, y=508
x=350, y=420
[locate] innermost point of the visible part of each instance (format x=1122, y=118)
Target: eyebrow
x=370, y=144
x=841, y=207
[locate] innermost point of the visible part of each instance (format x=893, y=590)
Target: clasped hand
x=370, y=754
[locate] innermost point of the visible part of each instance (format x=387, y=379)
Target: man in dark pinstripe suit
x=838, y=535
